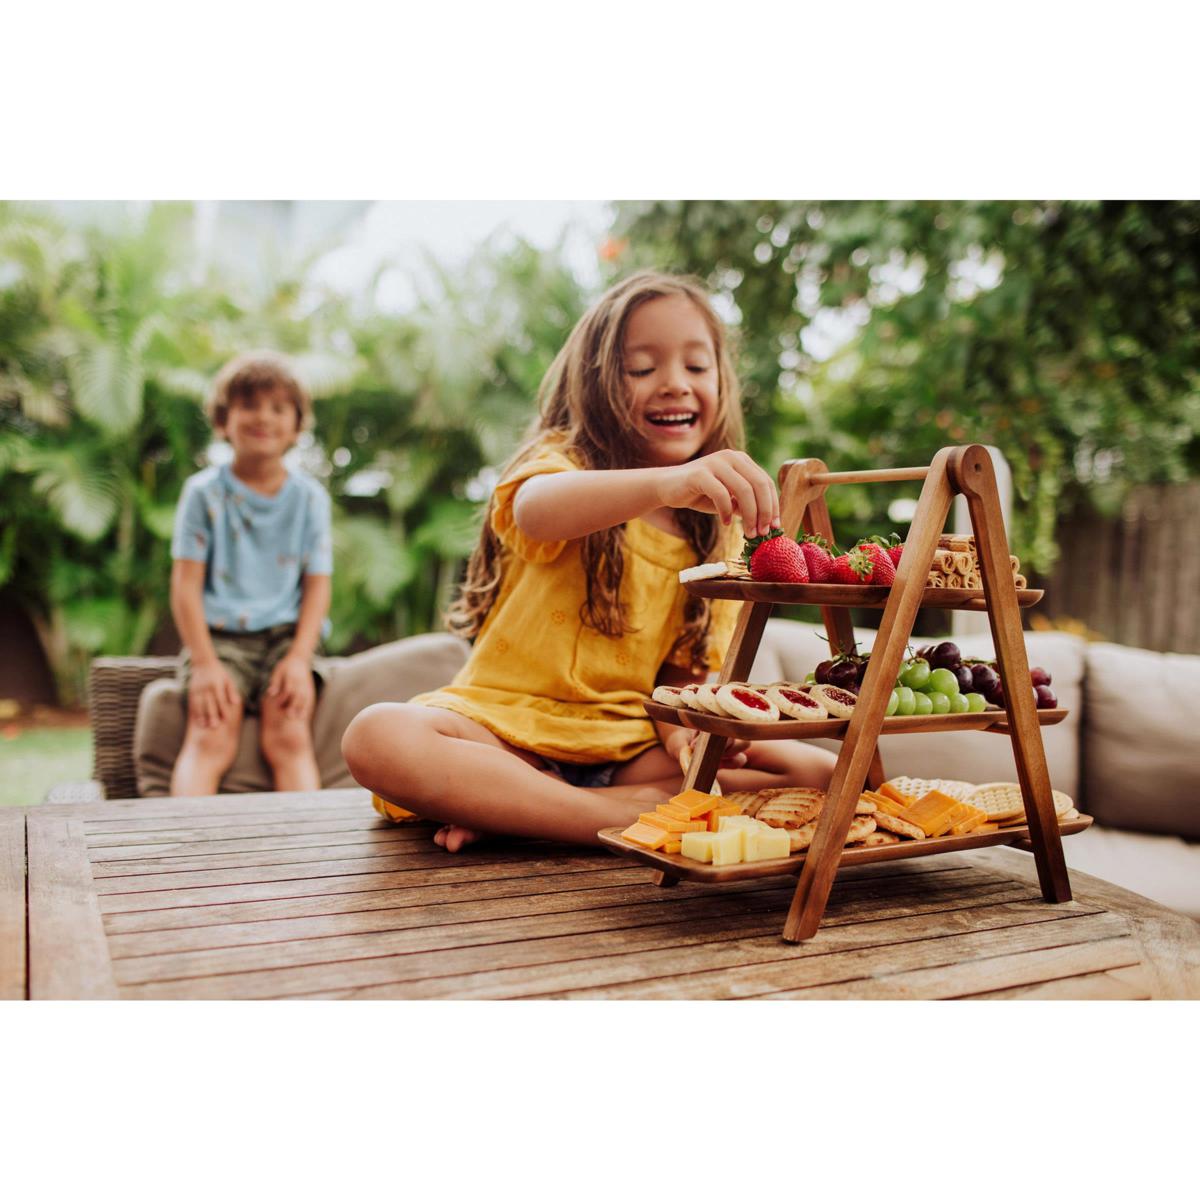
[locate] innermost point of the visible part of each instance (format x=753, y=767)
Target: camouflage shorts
x=250, y=658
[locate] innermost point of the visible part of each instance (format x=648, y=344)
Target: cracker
x=1002, y=801
x=898, y=825
x=880, y=838
x=741, y=799
x=860, y=828
x=865, y=805
x=956, y=789
x=788, y=816
x=801, y=839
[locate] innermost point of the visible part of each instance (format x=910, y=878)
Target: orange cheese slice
x=648, y=836
x=964, y=818
x=672, y=847
x=722, y=810
x=986, y=827
x=670, y=824
x=885, y=804
x=695, y=803
x=886, y=789
x=672, y=810
x=931, y=813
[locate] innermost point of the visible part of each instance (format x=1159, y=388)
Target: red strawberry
x=775, y=558
x=893, y=545
x=842, y=571
x=871, y=563
x=817, y=558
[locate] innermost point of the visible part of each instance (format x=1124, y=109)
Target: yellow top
x=542, y=680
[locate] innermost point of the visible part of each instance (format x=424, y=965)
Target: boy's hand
x=212, y=695
x=292, y=683
x=679, y=739
x=724, y=483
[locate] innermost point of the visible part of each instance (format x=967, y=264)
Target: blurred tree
x=108, y=340
x=874, y=332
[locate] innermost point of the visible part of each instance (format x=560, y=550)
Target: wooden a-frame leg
x=859, y=748
x=973, y=474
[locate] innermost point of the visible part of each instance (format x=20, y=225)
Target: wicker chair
x=114, y=687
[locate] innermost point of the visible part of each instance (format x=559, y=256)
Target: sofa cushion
x=1142, y=739
x=790, y=649
x=395, y=671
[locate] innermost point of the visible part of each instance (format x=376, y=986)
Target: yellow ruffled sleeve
x=546, y=461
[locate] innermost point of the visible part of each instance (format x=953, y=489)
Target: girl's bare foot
x=454, y=837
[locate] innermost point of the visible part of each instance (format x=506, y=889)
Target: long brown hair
x=584, y=408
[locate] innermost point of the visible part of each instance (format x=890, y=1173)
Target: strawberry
x=893, y=545
x=842, y=571
x=775, y=558
x=817, y=558
x=871, y=563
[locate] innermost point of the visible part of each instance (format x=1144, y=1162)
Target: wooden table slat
x=13, y=982
x=68, y=952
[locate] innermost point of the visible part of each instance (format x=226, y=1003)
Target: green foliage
x=1065, y=333
x=108, y=340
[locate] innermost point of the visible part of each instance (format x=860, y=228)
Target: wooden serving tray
x=788, y=727
x=852, y=856
x=845, y=594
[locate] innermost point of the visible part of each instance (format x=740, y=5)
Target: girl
x=632, y=472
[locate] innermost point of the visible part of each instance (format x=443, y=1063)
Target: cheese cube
x=727, y=847
x=672, y=847
x=698, y=846
x=695, y=803
x=740, y=822
x=765, y=842
x=647, y=836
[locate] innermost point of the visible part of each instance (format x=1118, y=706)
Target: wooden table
x=310, y=895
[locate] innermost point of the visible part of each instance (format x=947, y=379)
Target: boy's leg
x=448, y=768
x=287, y=745
x=206, y=755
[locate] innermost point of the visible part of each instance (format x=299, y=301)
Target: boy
x=250, y=583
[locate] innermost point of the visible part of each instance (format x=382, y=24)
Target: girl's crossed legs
x=447, y=767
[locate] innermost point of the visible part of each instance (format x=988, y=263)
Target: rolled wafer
x=943, y=560
x=1014, y=563
x=936, y=580
x=973, y=580
x=964, y=562
x=1021, y=582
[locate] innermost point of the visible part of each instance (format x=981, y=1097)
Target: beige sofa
x=1132, y=763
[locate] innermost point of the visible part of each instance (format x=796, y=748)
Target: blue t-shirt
x=257, y=548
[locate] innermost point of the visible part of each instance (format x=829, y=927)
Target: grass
x=34, y=760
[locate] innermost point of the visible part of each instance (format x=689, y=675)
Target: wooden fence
x=1134, y=579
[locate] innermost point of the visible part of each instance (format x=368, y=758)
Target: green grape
x=906, y=703
x=893, y=703
x=922, y=704
x=944, y=681
x=915, y=674
x=940, y=702
x=975, y=702
x=810, y=678
x=961, y=703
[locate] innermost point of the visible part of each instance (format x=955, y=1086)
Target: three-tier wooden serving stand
x=965, y=470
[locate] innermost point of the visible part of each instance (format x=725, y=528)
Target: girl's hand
x=212, y=695
x=292, y=683
x=724, y=483
x=679, y=739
